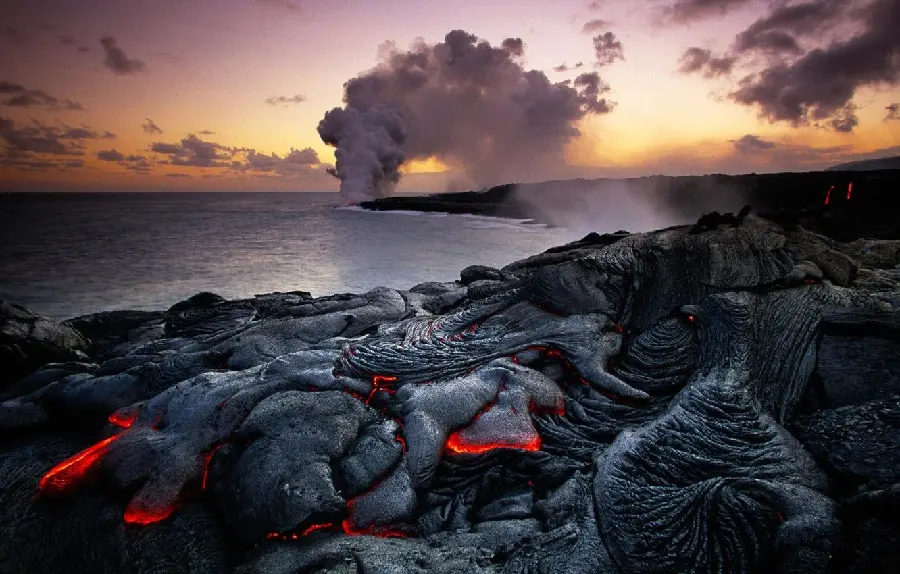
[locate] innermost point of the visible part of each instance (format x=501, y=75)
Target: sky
x=229, y=94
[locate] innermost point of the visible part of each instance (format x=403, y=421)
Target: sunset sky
x=199, y=94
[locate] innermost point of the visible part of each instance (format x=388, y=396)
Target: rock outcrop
x=710, y=399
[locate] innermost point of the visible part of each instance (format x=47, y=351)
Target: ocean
x=68, y=254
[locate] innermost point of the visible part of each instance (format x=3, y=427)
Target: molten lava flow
x=849, y=191
x=378, y=531
x=457, y=445
x=828, y=195
x=72, y=470
x=124, y=420
x=381, y=383
x=207, y=458
x=316, y=527
x=143, y=517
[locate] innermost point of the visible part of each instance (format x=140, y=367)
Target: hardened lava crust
x=718, y=398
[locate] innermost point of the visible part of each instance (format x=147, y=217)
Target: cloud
x=285, y=4
x=607, y=49
x=206, y=133
x=594, y=26
x=20, y=96
x=178, y=175
x=806, y=61
x=565, y=67
x=596, y=5
x=195, y=152
x=275, y=100
x=514, y=46
x=698, y=60
x=295, y=162
x=116, y=60
x=463, y=101
x=893, y=112
x=690, y=10
x=14, y=34
x=110, y=155
x=845, y=119
x=150, y=127
x=38, y=138
x=751, y=143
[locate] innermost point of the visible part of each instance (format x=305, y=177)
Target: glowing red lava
x=828, y=195
x=144, y=517
x=124, y=420
x=381, y=383
x=316, y=527
x=207, y=458
x=378, y=531
x=849, y=190
x=72, y=470
x=691, y=319
x=457, y=445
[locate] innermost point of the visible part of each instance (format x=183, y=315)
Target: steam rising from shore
x=469, y=104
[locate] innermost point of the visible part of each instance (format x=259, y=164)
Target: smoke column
x=471, y=105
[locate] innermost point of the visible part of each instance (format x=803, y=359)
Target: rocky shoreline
x=719, y=397
x=869, y=211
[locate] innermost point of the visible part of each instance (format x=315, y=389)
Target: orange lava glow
x=849, y=191
x=143, y=517
x=457, y=445
x=71, y=471
x=828, y=195
x=124, y=420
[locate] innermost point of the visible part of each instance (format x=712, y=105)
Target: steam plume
x=469, y=104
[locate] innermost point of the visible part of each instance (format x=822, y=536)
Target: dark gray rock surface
x=713, y=400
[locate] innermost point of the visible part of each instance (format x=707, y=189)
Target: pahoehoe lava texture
x=715, y=400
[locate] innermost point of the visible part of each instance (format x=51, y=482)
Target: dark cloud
x=285, y=4
x=206, y=133
x=38, y=138
x=276, y=100
x=780, y=30
x=698, y=60
x=110, y=155
x=816, y=56
x=150, y=127
x=20, y=96
x=594, y=26
x=845, y=119
x=515, y=46
x=85, y=133
x=751, y=143
x=297, y=161
x=194, y=152
x=463, y=101
x=596, y=5
x=893, y=112
x=116, y=59
x=14, y=34
x=607, y=49
x=178, y=175
x=689, y=10
x=565, y=67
